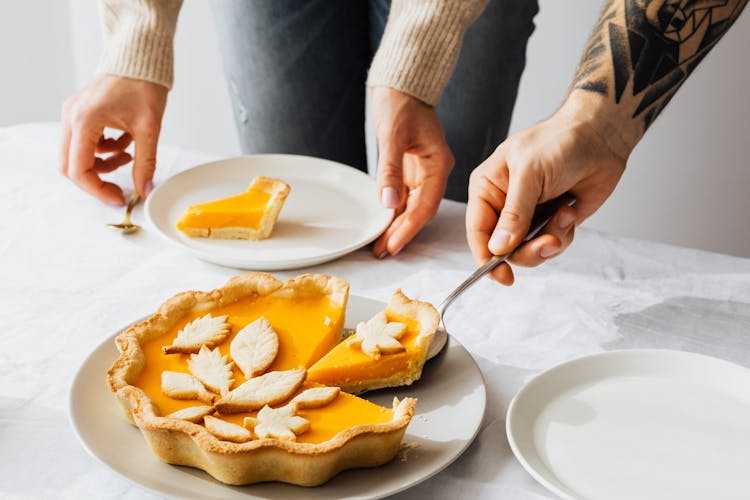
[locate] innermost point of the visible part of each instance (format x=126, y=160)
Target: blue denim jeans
x=296, y=73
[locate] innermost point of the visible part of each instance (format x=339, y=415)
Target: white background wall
x=686, y=182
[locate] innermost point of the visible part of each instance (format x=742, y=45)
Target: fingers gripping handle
x=545, y=211
x=542, y=215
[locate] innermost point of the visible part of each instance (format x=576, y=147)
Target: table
x=67, y=282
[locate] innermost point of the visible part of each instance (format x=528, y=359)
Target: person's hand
x=133, y=106
x=413, y=165
x=564, y=153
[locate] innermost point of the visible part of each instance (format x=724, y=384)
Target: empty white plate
x=636, y=424
x=331, y=210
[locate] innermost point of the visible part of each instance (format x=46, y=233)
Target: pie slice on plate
x=250, y=215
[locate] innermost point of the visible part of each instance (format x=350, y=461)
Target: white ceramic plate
x=449, y=412
x=636, y=424
x=331, y=210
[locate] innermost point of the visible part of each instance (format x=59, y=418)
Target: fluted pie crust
x=184, y=442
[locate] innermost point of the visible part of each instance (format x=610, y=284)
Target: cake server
x=542, y=215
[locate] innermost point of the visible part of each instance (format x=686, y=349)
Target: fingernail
x=383, y=254
x=565, y=220
x=498, y=241
x=389, y=197
x=116, y=204
x=548, y=251
x=397, y=251
x=149, y=187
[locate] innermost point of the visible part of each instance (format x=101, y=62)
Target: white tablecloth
x=67, y=282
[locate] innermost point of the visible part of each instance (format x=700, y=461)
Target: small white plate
x=331, y=210
x=636, y=424
x=451, y=402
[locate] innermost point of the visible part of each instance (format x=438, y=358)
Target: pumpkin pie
x=389, y=350
x=250, y=215
x=221, y=380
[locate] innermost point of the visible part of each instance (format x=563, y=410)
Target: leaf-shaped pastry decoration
x=254, y=347
x=315, y=397
x=178, y=385
x=211, y=368
x=280, y=423
x=377, y=336
x=192, y=413
x=207, y=330
x=268, y=389
x=226, y=431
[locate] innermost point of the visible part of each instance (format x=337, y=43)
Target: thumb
x=145, y=161
x=390, y=171
x=524, y=190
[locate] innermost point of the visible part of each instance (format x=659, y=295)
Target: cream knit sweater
x=417, y=54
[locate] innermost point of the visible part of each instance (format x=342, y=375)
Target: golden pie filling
x=345, y=412
x=307, y=328
x=243, y=210
x=345, y=365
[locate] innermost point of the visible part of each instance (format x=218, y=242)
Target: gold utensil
x=126, y=226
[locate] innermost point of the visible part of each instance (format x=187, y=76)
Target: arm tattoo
x=645, y=49
x=589, y=75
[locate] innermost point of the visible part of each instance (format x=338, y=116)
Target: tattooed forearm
x=589, y=75
x=641, y=51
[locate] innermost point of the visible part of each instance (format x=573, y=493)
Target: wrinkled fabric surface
x=67, y=283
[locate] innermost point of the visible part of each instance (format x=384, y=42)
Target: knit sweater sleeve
x=138, y=39
x=420, y=45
